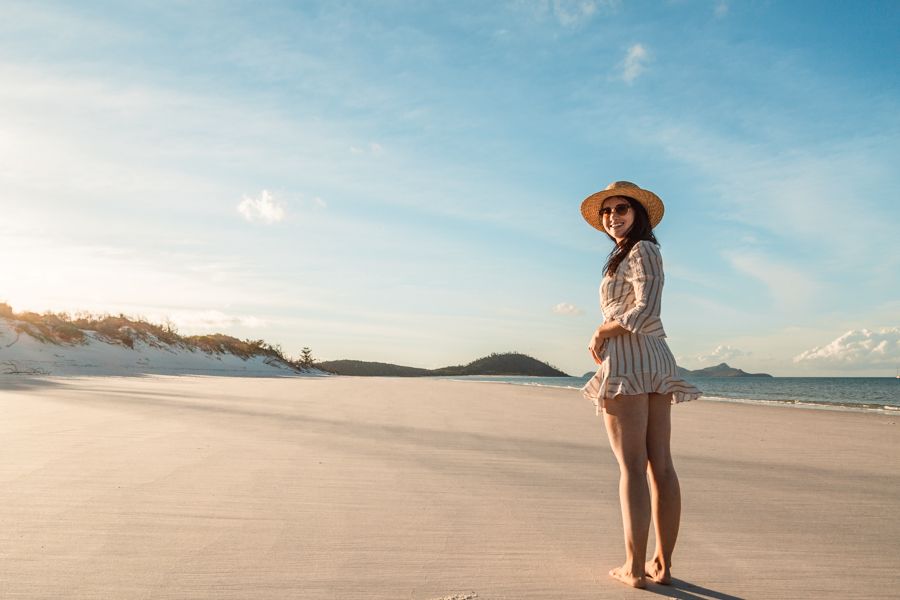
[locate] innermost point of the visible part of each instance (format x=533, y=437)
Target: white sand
x=344, y=488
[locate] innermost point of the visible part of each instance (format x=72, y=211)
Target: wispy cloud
x=859, y=348
x=48, y=115
x=564, y=308
x=568, y=13
x=263, y=208
x=59, y=274
x=372, y=148
x=789, y=286
x=574, y=12
x=720, y=9
x=635, y=63
x=208, y=321
x=792, y=192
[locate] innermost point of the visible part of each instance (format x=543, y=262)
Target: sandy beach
x=345, y=488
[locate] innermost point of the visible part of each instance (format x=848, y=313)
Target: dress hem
x=678, y=389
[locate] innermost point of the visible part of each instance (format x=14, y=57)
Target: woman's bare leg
x=664, y=487
x=626, y=424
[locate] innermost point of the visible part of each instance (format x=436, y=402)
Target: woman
x=637, y=381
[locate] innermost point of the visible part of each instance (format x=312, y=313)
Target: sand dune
x=21, y=353
x=204, y=487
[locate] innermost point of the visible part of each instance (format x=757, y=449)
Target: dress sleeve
x=646, y=276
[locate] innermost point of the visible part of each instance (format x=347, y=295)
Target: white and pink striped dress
x=637, y=362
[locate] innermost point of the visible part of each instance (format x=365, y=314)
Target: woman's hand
x=609, y=329
x=596, y=345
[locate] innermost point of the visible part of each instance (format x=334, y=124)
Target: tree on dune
x=306, y=358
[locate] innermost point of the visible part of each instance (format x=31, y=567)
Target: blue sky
x=400, y=181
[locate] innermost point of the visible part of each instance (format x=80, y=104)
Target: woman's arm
x=609, y=329
x=646, y=276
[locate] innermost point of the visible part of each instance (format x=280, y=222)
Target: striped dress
x=637, y=362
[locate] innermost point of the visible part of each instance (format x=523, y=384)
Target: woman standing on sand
x=637, y=381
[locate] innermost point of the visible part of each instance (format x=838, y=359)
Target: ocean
x=881, y=394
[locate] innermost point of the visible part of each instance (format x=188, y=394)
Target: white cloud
x=564, y=308
x=319, y=203
x=857, y=348
x=635, y=63
x=722, y=353
x=263, y=208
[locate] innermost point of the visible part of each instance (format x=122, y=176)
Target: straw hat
x=590, y=207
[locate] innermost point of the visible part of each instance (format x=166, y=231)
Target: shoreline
x=873, y=407
x=845, y=407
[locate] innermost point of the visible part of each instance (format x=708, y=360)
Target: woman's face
x=615, y=224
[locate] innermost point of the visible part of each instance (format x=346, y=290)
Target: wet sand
x=345, y=488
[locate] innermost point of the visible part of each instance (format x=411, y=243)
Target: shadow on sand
x=11, y=381
x=688, y=591
x=17, y=382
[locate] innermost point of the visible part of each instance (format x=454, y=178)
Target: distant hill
x=361, y=368
x=510, y=363
x=720, y=370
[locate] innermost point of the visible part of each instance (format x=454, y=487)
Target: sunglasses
x=620, y=209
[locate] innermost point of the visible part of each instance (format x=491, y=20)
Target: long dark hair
x=640, y=230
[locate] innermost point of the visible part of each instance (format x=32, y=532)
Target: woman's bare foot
x=626, y=577
x=658, y=573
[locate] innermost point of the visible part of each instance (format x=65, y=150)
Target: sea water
x=849, y=393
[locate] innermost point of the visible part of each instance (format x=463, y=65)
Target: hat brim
x=590, y=206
